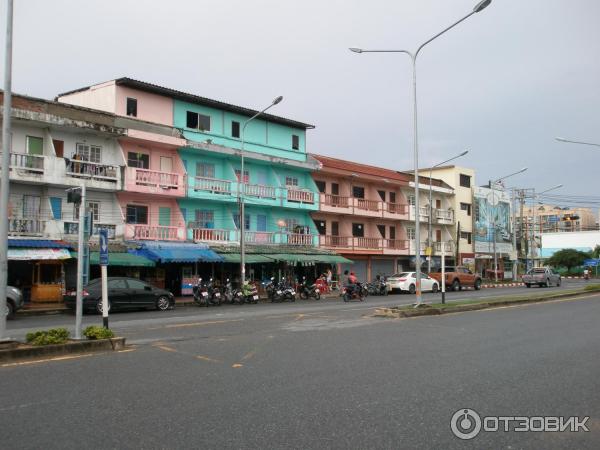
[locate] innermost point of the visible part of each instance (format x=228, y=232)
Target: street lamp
x=492, y=184
x=559, y=139
x=242, y=191
x=413, y=56
x=534, y=197
x=430, y=203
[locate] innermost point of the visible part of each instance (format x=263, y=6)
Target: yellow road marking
x=206, y=358
x=199, y=324
x=166, y=348
x=237, y=366
x=61, y=358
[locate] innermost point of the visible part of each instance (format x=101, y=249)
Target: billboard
x=492, y=209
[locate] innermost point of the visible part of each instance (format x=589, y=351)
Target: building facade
x=367, y=214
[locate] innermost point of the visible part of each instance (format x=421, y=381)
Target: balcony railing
x=396, y=244
x=86, y=169
x=336, y=201
x=72, y=228
x=259, y=237
x=260, y=191
x=156, y=232
x=300, y=195
x=396, y=208
x=448, y=247
x=365, y=242
x=210, y=234
x=25, y=227
x=212, y=185
x=362, y=243
x=31, y=163
x=165, y=180
x=335, y=241
x=444, y=215
x=298, y=239
x=367, y=205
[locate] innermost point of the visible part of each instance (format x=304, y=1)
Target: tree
x=568, y=257
x=596, y=252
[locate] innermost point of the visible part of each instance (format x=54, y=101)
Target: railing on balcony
x=259, y=237
x=448, y=247
x=367, y=205
x=366, y=242
x=337, y=201
x=260, y=191
x=212, y=185
x=300, y=195
x=396, y=244
x=298, y=239
x=31, y=163
x=72, y=228
x=165, y=180
x=86, y=169
x=26, y=227
x=210, y=234
x=444, y=215
x=335, y=241
x=156, y=232
x=396, y=208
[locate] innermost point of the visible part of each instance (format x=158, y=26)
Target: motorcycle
x=214, y=295
x=280, y=292
x=200, y=293
x=307, y=291
x=356, y=293
x=249, y=293
x=230, y=295
x=377, y=287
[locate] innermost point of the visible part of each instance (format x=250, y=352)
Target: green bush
x=96, y=332
x=48, y=337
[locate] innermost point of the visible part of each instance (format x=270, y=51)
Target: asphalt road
x=328, y=377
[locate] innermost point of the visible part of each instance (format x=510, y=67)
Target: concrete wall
x=101, y=96
x=150, y=107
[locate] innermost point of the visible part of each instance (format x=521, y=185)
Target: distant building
x=555, y=219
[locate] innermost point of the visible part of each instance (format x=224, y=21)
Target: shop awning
x=38, y=254
x=334, y=259
x=311, y=258
x=120, y=259
x=37, y=243
x=176, y=252
x=249, y=258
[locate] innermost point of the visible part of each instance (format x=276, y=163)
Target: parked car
x=457, y=278
x=14, y=301
x=123, y=293
x=542, y=276
x=406, y=282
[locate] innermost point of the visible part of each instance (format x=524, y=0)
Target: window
x=321, y=226
x=465, y=235
x=236, y=221
x=438, y=204
x=466, y=207
x=381, y=195
x=136, y=284
x=235, y=129
x=93, y=207
x=291, y=226
x=438, y=235
x=335, y=189
x=35, y=145
x=56, y=206
x=335, y=228
x=411, y=200
x=392, y=197
x=358, y=192
x=295, y=142
x=205, y=170
x=392, y=232
x=117, y=284
x=410, y=234
x=90, y=153
x=131, y=107
x=381, y=229
x=137, y=214
x=261, y=222
x=139, y=160
x=465, y=180
x=197, y=121
x=59, y=147
x=31, y=206
x=358, y=230
x=321, y=185
x=238, y=173
x=205, y=218
x=291, y=181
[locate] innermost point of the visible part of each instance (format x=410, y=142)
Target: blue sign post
x=103, y=233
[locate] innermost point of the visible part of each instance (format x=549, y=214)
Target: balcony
x=365, y=244
x=211, y=235
x=260, y=191
x=155, y=182
x=26, y=227
x=395, y=210
x=212, y=185
x=444, y=216
x=258, y=237
x=96, y=171
x=298, y=239
x=30, y=163
x=362, y=207
x=447, y=246
x=71, y=228
x=423, y=213
x=300, y=196
x=154, y=232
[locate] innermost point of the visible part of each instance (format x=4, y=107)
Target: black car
x=123, y=293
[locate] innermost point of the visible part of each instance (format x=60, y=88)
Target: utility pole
x=513, y=204
x=80, y=258
x=4, y=181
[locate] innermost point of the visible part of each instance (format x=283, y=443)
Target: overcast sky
x=502, y=84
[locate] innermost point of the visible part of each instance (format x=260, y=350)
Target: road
x=330, y=376
x=129, y=322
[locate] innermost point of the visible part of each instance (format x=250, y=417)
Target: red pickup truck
x=457, y=278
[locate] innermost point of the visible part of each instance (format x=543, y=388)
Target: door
x=118, y=293
x=438, y=204
x=382, y=267
x=140, y=294
x=164, y=216
x=166, y=164
x=261, y=178
x=335, y=189
x=438, y=235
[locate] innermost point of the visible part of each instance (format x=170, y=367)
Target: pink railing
x=365, y=242
x=298, y=195
x=212, y=185
x=259, y=237
x=368, y=205
x=396, y=244
x=300, y=239
x=396, y=208
x=145, y=177
x=336, y=201
x=209, y=234
x=335, y=241
x=156, y=232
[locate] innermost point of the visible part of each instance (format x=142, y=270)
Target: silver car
x=14, y=301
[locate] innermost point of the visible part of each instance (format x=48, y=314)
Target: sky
x=502, y=84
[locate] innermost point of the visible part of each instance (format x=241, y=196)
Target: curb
x=18, y=353
x=397, y=313
x=495, y=286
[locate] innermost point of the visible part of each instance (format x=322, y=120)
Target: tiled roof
x=37, y=243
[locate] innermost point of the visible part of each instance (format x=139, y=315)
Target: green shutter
x=35, y=145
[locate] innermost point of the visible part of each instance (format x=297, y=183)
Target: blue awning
x=37, y=243
x=176, y=252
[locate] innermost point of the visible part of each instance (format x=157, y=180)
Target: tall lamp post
x=242, y=191
x=413, y=57
x=559, y=139
x=494, y=232
x=535, y=197
x=430, y=203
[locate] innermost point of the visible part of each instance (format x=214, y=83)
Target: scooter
x=249, y=293
x=214, y=296
x=230, y=295
x=377, y=287
x=356, y=293
x=307, y=291
x=200, y=293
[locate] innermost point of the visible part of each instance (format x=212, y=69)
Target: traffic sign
x=103, y=232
